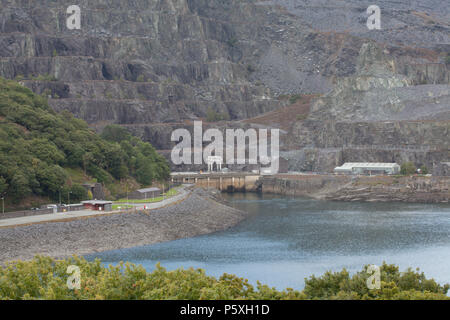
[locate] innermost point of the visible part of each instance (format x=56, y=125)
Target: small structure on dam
x=218, y=161
x=368, y=168
x=98, y=205
x=147, y=193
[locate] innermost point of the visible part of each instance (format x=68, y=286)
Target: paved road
x=13, y=222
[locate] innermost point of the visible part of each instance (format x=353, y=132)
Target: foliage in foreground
x=46, y=278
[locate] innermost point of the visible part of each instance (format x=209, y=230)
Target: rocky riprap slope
x=156, y=65
x=197, y=215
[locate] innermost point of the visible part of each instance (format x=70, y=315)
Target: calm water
x=288, y=239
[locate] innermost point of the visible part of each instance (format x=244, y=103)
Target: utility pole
x=128, y=204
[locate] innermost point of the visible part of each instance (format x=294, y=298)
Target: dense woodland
x=37, y=145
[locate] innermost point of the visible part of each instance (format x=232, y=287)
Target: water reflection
x=287, y=239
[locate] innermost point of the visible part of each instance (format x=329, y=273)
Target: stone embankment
x=197, y=215
x=418, y=189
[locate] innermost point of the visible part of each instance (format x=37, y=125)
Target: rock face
x=156, y=65
x=377, y=93
x=369, y=189
x=375, y=115
x=136, y=61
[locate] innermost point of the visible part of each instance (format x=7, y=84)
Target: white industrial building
x=369, y=168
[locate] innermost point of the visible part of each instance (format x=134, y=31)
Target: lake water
x=287, y=239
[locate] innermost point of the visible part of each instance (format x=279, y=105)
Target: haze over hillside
x=154, y=65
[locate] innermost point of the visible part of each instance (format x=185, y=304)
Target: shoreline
x=410, y=189
x=198, y=214
x=202, y=211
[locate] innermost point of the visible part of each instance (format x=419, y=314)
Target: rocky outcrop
x=419, y=189
x=377, y=92
x=136, y=61
x=413, y=189
x=156, y=65
x=376, y=115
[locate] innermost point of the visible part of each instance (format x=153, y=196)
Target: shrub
x=424, y=169
x=395, y=285
x=294, y=98
x=45, y=77
x=46, y=278
x=408, y=168
x=214, y=116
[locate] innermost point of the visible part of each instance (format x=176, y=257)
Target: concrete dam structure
x=229, y=182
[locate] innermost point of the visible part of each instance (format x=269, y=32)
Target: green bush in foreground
x=46, y=278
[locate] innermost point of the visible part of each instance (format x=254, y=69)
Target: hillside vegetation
x=46, y=278
x=38, y=145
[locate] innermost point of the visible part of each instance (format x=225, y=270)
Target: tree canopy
x=37, y=144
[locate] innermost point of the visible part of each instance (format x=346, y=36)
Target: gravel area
x=198, y=214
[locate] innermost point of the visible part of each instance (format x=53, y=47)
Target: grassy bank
x=172, y=192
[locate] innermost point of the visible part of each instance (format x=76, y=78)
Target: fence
x=26, y=213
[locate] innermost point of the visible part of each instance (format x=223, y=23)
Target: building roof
x=350, y=165
x=94, y=202
x=89, y=184
x=148, y=190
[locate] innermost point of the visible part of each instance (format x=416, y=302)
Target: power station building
x=368, y=168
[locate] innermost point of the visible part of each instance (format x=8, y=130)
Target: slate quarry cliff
x=156, y=65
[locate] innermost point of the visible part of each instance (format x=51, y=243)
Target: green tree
x=3, y=185
x=37, y=145
x=115, y=133
x=79, y=193
x=395, y=285
x=19, y=186
x=45, y=278
x=51, y=178
x=424, y=169
x=144, y=172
